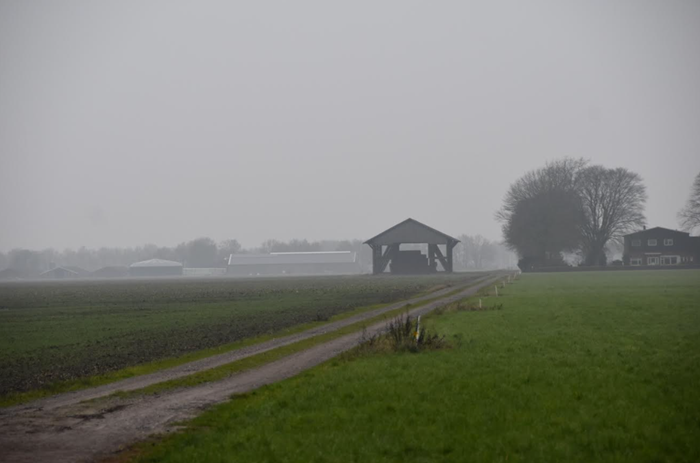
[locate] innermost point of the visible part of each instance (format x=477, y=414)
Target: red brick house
x=660, y=246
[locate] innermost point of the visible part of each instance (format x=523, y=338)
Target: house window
x=636, y=242
x=668, y=242
x=670, y=260
x=636, y=262
x=652, y=261
x=651, y=242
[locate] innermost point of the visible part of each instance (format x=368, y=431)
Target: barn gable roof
x=411, y=231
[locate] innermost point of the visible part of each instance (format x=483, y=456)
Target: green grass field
x=574, y=367
x=57, y=336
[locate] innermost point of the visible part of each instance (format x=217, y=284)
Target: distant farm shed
x=10, y=274
x=155, y=268
x=66, y=272
x=203, y=272
x=386, y=249
x=115, y=271
x=294, y=263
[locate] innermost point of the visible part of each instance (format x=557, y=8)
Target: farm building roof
x=281, y=258
x=411, y=231
x=156, y=263
x=647, y=230
x=76, y=271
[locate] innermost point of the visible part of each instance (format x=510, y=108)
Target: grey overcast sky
x=128, y=122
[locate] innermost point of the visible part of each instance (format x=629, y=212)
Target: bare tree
x=689, y=216
x=570, y=206
x=225, y=249
x=613, y=205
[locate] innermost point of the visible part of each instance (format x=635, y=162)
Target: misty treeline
x=198, y=253
x=570, y=206
x=479, y=253
x=689, y=216
x=475, y=253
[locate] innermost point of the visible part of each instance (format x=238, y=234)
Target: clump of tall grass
x=402, y=334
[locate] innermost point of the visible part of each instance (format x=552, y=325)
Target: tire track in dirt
x=68, y=430
x=141, y=381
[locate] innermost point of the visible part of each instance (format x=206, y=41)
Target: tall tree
x=689, y=216
x=544, y=226
x=571, y=206
x=201, y=253
x=541, y=212
x=26, y=262
x=613, y=205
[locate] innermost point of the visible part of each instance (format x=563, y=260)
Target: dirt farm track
x=90, y=424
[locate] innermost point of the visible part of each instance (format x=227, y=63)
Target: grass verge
x=575, y=367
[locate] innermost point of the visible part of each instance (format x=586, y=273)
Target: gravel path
x=65, y=428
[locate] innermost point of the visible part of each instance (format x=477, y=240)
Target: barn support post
x=376, y=258
x=431, y=256
x=450, y=260
x=381, y=257
x=441, y=258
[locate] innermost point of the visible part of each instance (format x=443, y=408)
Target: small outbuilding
x=155, y=268
x=386, y=249
x=10, y=274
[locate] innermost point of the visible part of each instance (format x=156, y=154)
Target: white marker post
x=479, y=303
x=496, y=288
x=418, y=329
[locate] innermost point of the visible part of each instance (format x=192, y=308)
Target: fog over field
x=128, y=122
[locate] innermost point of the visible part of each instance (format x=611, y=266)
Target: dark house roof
x=293, y=258
x=666, y=231
x=411, y=231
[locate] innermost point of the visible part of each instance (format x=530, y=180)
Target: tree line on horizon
x=475, y=253
x=571, y=207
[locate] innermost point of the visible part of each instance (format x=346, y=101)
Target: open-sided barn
x=387, y=252
x=155, y=268
x=294, y=263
